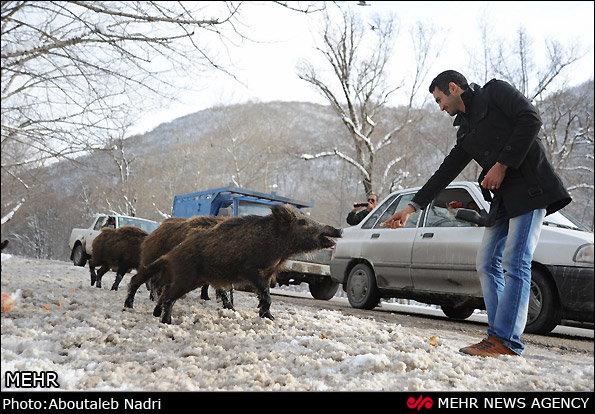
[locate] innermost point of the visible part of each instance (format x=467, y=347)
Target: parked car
x=432, y=260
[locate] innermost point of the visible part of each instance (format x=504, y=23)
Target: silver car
x=432, y=259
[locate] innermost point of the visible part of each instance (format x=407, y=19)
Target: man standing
x=360, y=211
x=498, y=129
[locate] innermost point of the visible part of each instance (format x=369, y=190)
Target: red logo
x=420, y=403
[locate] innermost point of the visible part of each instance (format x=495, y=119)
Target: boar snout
x=327, y=236
x=333, y=232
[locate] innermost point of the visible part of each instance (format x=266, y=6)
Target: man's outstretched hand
x=399, y=219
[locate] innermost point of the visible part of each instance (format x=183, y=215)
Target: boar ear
x=282, y=214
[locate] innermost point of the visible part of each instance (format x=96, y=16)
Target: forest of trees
x=65, y=159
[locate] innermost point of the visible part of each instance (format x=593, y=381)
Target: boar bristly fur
x=170, y=233
x=240, y=250
x=118, y=250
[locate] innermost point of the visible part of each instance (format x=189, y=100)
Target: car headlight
x=584, y=254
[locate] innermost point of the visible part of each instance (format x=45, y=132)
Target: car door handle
x=427, y=235
x=375, y=235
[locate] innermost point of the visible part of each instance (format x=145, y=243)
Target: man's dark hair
x=441, y=81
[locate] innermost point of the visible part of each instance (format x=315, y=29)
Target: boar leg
x=226, y=297
x=264, y=297
x=137, y=280
x=166, y=318
x=119, y=275
x=204, y=292
x=102, y=270
x=158, y=309
x=153, y=292
x=167, y=299
x=93, y=274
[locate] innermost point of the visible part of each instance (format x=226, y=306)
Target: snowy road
x=562, y=337
x=63, y=325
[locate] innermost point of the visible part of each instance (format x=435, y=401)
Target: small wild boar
x=118, y=250
x=239, y=250
x=170, y=233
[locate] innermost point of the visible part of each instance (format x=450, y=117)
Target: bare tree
x=239, y=136
x=568, y=120
x=568, y=131
x=358, y=55
x=72, y=70
x=515, y=62
x=123, y=194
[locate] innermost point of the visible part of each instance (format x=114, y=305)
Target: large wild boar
x=169, y=234
x=239, y=250
x=116, y=249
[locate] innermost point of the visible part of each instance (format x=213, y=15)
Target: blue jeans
x=504, y=267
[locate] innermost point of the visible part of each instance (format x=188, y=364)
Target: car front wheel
x=362, y=291
x=545, y=312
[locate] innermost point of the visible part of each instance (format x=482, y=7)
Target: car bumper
x=575, y=285
x=338, y=269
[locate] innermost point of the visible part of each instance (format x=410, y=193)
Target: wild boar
x=239, y=250
x=116, y=249
x=170, y=233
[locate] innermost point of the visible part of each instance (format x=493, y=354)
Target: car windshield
x=147, y=225
x=563, y=220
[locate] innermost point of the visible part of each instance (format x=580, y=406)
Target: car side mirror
x=472, y=216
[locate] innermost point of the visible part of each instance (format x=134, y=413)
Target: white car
x=432, y=260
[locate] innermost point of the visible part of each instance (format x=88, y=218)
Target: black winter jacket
x=354, y=218
x=501, y=125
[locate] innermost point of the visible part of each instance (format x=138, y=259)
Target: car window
x=371, y=219
x=441, y=217
x=99, y=223
x=442, y=211
x=394, y=204
x=398, y=204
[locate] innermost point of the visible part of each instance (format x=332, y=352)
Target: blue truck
x=311, y=268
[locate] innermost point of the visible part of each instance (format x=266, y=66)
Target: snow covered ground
x=62, y=324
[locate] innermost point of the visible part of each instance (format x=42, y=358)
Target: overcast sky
x=267, y=69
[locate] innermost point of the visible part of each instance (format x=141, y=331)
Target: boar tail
x=155, y=267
